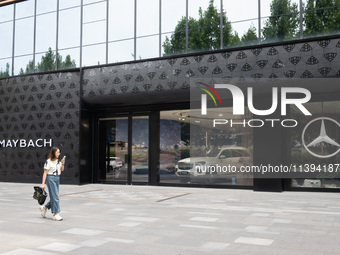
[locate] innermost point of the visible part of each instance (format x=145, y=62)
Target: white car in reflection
x=211, y=168
x=115, y=163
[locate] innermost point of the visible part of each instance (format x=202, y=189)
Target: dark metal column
x=154, y=150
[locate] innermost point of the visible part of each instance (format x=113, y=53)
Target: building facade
x=138, y=121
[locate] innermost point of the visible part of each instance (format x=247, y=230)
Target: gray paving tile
x=83, y=231
x=254, y=241
x=60, y=247
x=27, y=252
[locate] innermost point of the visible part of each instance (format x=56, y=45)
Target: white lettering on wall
x=22, y=143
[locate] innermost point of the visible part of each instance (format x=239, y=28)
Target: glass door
x=123, y=153
x=140, y=149
x=113, y=150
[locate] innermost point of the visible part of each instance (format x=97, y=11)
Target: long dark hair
x=52, y=155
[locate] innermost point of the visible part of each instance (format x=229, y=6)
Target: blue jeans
x=52, y=182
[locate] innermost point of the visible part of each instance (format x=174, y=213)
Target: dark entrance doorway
x=123, y=149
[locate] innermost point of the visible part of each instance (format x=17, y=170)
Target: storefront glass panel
x=315, y=146
x=174, y=144
x=194, y=152
x=140, y=149
x=113, y=146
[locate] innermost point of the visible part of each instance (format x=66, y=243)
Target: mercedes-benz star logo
x=322, y=138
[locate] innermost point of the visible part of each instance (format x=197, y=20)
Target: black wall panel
x=42, y=106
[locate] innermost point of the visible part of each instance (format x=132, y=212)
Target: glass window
x=321, y=18
x=281, y=23
x=69, y=28
x=204, y=30
x=118, y=11
x=247, y=32
x=174, y=144
x=147, y=47
x=94, y=27
x=194, y=6
x=44, y=6
x=6, y=13
x=140, y=149
x=218, y=154
x=113, y=150
x=173, y=43
x=6, y=38
x=265, y=8
x=94, y=55
x=5, y=67
x=70, y=58
x=49, y=64
x=244, y=22
x=147, y=17
x=94, y=12
x=121, y=51
x=24, y=36
x=94, y=32
x=24, y=9
x=315, y=146
x=172, y=13
x=193, y=152
x=240, y=10
x=46, y=32
x=68, y=3
x=21, y=63
x=92, y=1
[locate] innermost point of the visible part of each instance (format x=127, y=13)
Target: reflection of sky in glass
x=24, y=36
x=94, y=55
x=121, y=51
x=140, y=132
x=46, y=6
x=69, y=32
x=147, y=47
x=21, y=62
x=46, y=32
x=121, y=20
x=147, y=17
x=6, y=39
x=94, y=12
x=170, y=134
x=68, y=3
x=6, y=13
x=172, y=12
x=24, y=9
x=121, y=130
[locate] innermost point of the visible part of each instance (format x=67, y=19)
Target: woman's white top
x=53, y=167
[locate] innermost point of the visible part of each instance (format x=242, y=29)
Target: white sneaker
x=57, y=217
x=43, y=211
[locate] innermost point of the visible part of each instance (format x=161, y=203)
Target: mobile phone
x=64, y=157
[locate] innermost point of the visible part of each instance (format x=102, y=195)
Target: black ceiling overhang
x=141, y=98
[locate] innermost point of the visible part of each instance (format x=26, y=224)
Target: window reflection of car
x=207, y=167
x=115, y=163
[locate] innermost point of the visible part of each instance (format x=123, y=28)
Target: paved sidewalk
x=116, y=219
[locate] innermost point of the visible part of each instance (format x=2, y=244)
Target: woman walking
x=52, y=170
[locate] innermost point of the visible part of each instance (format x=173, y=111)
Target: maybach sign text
x=22, y=143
